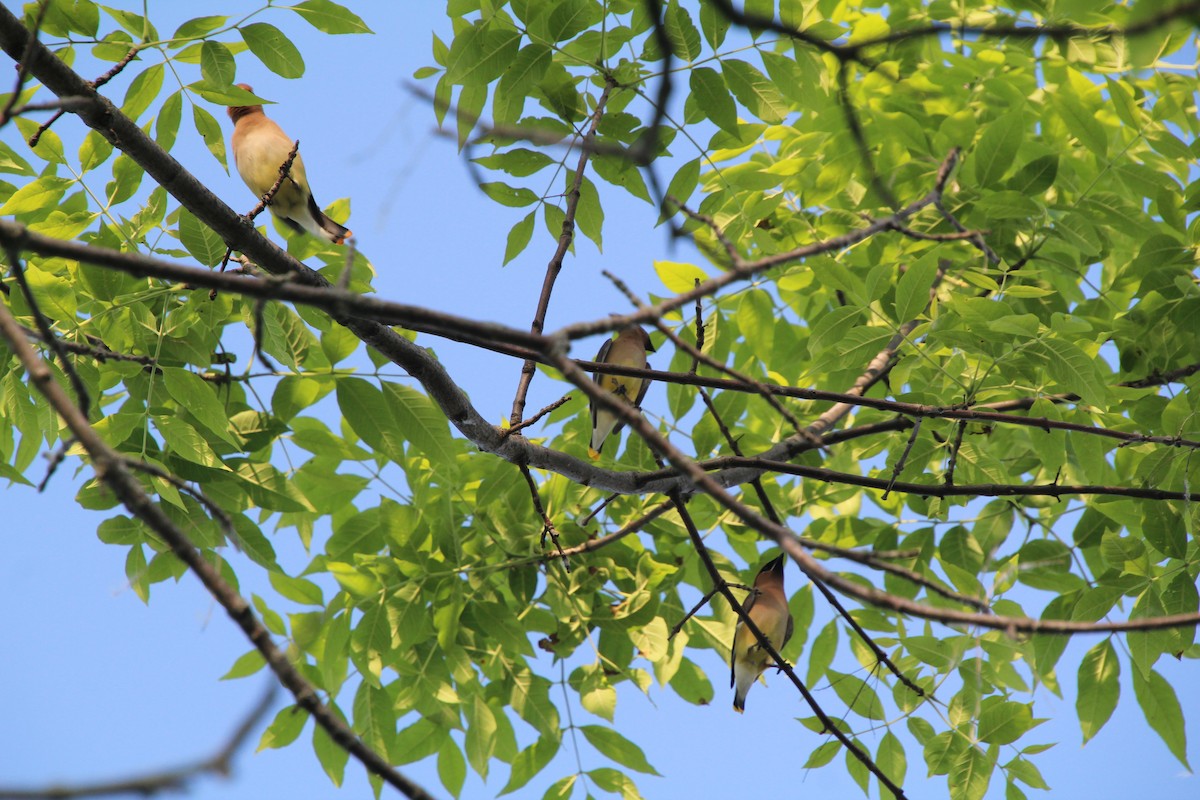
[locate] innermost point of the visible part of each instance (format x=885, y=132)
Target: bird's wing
x=747, y=604
x=641, y=392
x=601, y=357
x=597, y=377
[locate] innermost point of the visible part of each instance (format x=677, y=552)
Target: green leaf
x=715, y=24
x=617, y=747
x=519, y=236
x=186, y=442
x=519, y=81
x=480, y=54
x=754, y=91
x=1161, y=707
x=425, y=426
x=247, y=664
x=333, y=756
x=681, y=32
x=519, y=162
x=564, y=20
x=713, y=98
x=452, y=767
x=12, y=163
x=225, y=95
x=891, y=760
x=198, y=397
x=1081, y=122
x=201, y=241
x=369, y=416
x=197, y=28
x=142, y=91
x=481, y=735
x=529, y=762
x=374, y=719
x=41, y=194
x=1071, y=369
x=273, y=49
x=590, y=214
x=298, y=590
x=823, y=755
x=363, y=533
x=912, y=292
x=216, y=63
x=284, y=729
x=251, y=540
x=683, y=183
x=858, y=696
x=329, y=17
x=971, y=774
x=997, y=148
x=756, y=319
x=679, y=277
x=1026, y=772
x=1099, y=688
x=166, y=127
x=510, y=196
x=209, y=130
x=1002, y=721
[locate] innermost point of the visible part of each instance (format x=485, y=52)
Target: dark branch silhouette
x=172, y=780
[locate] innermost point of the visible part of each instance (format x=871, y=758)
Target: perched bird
x=767, y=606
x=260, y=147
x=628, y=349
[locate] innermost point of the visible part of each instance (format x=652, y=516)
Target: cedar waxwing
x=259, y=149
x=628, y=349
x=767, y=606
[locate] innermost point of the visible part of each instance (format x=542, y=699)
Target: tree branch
x=177, y=779
x=556, y=261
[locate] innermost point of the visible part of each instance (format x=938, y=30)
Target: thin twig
x=548, y=528
x=541, y=413
x=566, y=237
x=79, y=103
x=959, y=429
x=900, y=462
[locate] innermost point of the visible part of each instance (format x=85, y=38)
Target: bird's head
x=638, y=333
x=772, y=570
x=237, y=112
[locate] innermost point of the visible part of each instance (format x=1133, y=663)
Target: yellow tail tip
x=341, y=239
x=738, y=709
x=593, y=454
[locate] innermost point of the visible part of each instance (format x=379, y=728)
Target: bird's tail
x=327, y=228
x=743, y=678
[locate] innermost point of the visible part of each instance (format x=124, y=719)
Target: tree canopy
x=931, y=333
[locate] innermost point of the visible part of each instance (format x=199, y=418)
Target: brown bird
x=767, y=606
x=260, y=148
x=628, y=349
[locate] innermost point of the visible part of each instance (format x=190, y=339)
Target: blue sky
x=101, y=685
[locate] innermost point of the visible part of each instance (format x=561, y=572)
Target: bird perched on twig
x=628, y=349
x=767, y=607
x=260, y=148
